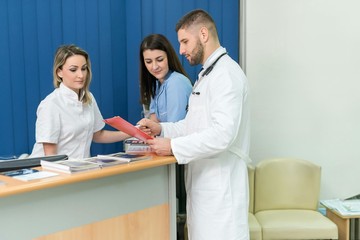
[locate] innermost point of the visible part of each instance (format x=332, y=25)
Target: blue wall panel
x=134, y=26
x=111, y=32
x=31, y=67
x=6, y=128
x=17, y=72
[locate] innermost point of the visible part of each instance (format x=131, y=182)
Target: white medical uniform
x=213, y=140
x=64, y=120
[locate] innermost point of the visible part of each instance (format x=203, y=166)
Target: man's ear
x=204, y=34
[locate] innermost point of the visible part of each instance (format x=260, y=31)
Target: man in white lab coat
x=213, y=139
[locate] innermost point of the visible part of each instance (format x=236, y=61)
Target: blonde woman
x=68, y=119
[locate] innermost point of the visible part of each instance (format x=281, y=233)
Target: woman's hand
x=150, y=127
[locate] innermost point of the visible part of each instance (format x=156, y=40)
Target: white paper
x=36, y=175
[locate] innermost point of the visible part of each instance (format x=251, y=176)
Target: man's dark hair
x=197, y=16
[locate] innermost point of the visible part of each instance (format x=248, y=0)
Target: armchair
x=286, y=200
x=254, y=226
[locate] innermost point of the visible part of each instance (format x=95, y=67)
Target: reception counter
x=132, y=201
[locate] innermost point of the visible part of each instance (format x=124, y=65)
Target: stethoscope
x=161, y=91
x=207, y=71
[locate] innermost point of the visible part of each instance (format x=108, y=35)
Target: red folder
x=123, y=125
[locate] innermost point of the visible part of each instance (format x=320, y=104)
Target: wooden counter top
x=13, y=186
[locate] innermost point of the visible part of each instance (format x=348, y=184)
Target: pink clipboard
x=126, y=127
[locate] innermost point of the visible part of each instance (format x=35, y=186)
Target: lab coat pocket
x=198, y=118
x=206, y=175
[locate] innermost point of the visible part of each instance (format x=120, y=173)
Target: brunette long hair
x=147, y=80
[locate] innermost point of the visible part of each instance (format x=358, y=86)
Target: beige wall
x=302, y=58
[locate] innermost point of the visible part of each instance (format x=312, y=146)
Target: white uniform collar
x=220, y=50
x=69, y=93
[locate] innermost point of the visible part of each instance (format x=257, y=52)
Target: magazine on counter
x=124, y=157
x=98, y=162
x=70, y=165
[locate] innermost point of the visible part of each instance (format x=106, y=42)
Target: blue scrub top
x=171, y=98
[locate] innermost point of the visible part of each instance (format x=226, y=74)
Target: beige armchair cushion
x=254, y=226
x=286, y=200
x=251, y=176
x=296, y=224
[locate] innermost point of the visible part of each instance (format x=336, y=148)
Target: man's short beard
x=199, y=54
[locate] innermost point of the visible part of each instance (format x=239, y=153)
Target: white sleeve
x=98, y=119
x=173, y=130
x=47, y=123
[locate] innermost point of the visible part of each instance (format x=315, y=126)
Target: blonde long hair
x=61, y=55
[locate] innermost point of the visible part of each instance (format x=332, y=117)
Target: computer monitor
x=13, y=164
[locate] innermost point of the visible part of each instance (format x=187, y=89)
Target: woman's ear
x=59, y=73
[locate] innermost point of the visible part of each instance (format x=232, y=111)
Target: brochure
x=69, y=166
x=125, y=157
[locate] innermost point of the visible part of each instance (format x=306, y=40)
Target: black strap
x=209, y=69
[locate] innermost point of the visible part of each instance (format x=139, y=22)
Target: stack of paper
x=344, y=207
x=69, y=166
x=27, y=174
x=98, y=162
x=125, y=157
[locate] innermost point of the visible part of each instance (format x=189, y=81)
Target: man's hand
x=150, y=127
x=161, y=146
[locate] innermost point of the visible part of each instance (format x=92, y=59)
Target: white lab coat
x=213, y=140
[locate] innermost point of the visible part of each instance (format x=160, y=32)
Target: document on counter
x=27, y=174
x=36, y=175
x=344, y=207
x=124, y=157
